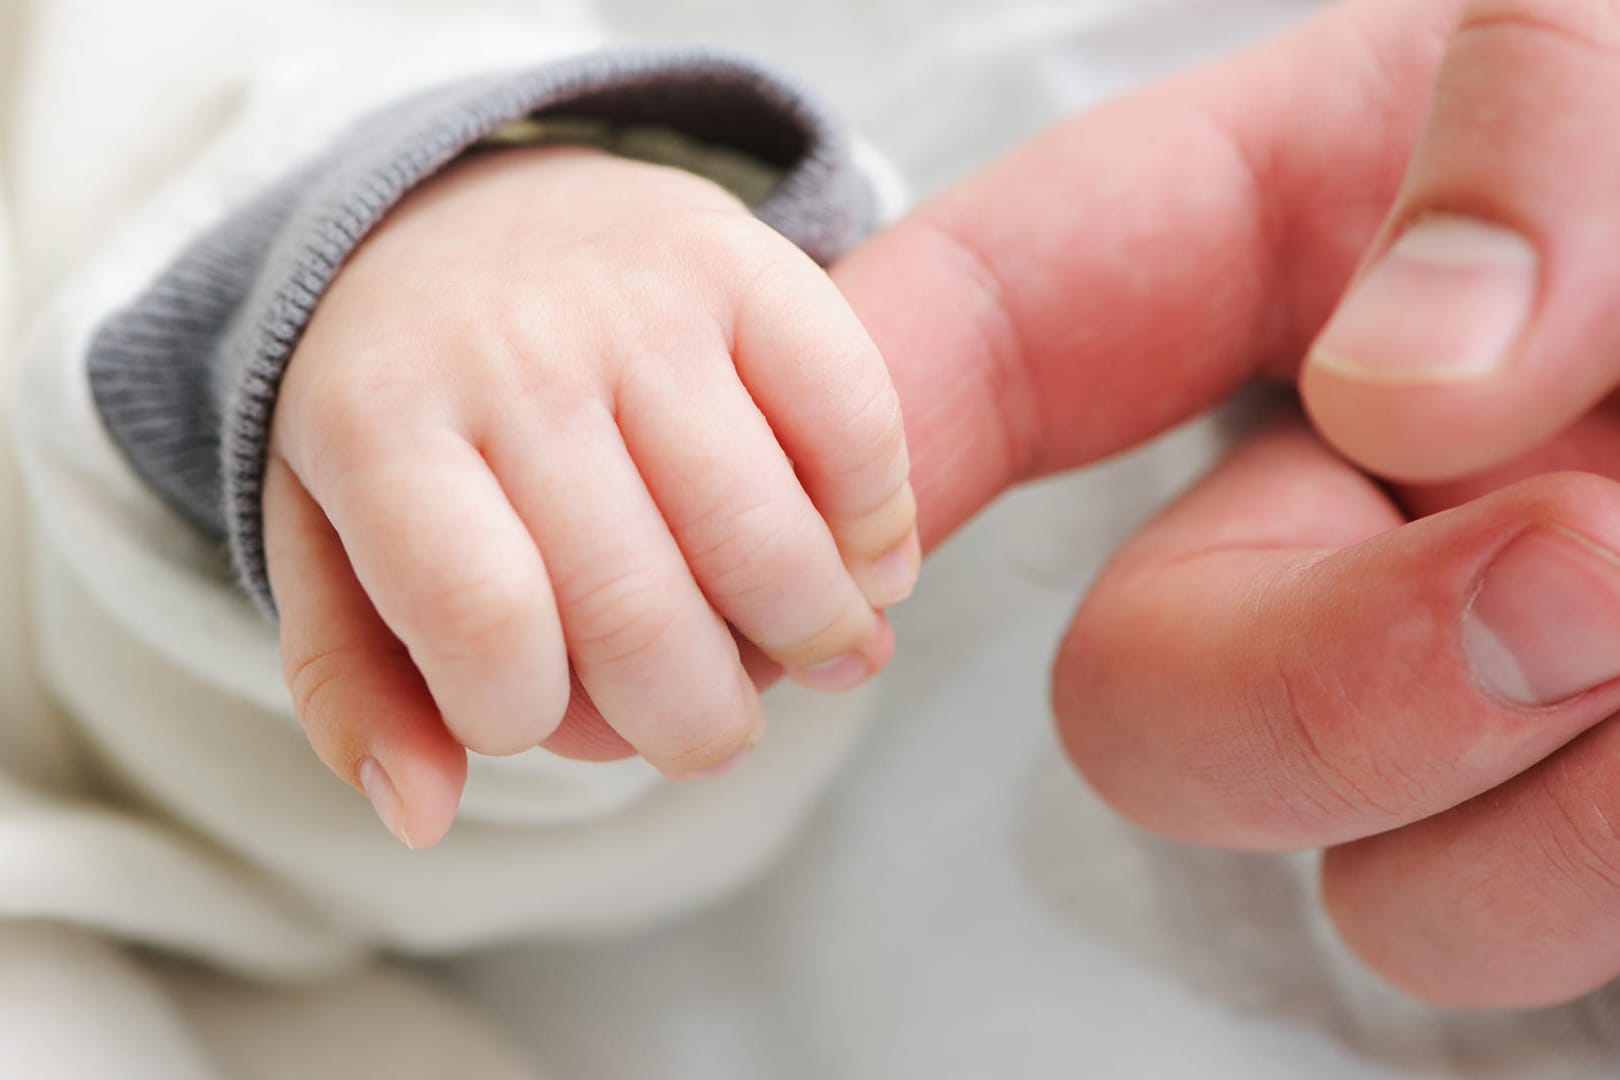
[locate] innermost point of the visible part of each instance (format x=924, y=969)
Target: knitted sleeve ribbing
x=185, y=376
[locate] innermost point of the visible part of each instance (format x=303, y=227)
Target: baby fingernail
x=715, y=771
x=844, y=673
x=1545, y=623
x=895, y=574
x=384, y=799
x=1448, y=301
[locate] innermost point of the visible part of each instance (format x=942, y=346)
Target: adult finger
x=362, y=704
x=1131, y=267
x=1483, y=321
x=1590, y=444
x=1509, y=901
x=1275, y=664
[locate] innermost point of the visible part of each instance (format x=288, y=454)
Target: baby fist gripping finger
x=669, y=271
x=544, y=450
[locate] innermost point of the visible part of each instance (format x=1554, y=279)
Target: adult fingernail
x=1448, y=302
x=1545, y=622
x=844, y=673
x=894, y=575
x=385, y=799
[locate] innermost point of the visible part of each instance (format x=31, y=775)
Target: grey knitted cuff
x=185, y=377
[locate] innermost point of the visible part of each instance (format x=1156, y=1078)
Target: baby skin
x=576, y=453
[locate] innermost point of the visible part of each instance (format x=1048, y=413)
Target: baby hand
x=568, y=412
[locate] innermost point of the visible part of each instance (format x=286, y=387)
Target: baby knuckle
x=619, y=617
x=831, y=636
x=311, y=677
x=873, y=525
x=348, y=414
x=706, y=738
x=474, y=615
x=724, y=240
x=873, y=433
x=772, y=583
x=743, y=550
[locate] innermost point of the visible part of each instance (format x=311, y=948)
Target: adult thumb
x=1486, y=316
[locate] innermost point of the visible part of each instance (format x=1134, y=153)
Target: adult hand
x=1289, y=657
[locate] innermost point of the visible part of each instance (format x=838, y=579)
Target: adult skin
x=1417, y=676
